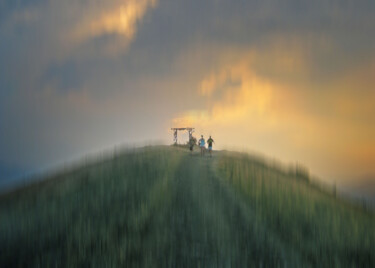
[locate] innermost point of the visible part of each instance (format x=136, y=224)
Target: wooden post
x=175, y=132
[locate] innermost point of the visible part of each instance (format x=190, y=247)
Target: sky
x=291, y=80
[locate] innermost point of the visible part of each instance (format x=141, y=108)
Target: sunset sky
x=292, y=80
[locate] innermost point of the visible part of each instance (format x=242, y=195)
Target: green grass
x=160, y=206
x=314, y=223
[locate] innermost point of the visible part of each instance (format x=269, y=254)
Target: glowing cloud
x=250, y=96
x=329, y=124
x=120, y=20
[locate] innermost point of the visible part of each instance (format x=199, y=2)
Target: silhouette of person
x=210, y=141
x=192, y=143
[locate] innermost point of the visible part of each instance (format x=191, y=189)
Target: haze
x=293, y=80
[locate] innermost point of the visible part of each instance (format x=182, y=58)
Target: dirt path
x=153, y=209
x=209, y=225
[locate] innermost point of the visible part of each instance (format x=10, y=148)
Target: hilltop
x=161, y=206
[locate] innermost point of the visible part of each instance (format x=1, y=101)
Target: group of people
x=202, y=144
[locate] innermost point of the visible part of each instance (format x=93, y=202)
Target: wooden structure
x=190, y=130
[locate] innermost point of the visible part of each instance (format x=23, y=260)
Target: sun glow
x=286, y=120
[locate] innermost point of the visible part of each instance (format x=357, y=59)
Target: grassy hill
x=160, y=206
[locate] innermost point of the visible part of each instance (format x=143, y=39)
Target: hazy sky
x=294, y=80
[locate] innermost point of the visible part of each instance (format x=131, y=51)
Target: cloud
x=288, y=79
x=66, y=43
x=272, y=112
x=120, y=20
x=58, y=31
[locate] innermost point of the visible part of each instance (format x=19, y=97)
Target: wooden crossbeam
x=176, y=129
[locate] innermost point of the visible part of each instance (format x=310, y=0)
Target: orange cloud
x=330, y=125
x=252, y=97
x=121, y=21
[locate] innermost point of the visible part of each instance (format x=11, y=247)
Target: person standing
x=192, y=142
x=210, y=141
x=202, y=145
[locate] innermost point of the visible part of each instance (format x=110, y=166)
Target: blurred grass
x=322, y=228
x=160, y=206
x=95, y=215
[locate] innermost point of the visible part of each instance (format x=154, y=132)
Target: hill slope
x=159, y=206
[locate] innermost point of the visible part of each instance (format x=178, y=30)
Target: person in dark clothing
x=192, y=143
x=210, y=141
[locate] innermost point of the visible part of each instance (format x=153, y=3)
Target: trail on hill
x=162, y=207
x=210, y=224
